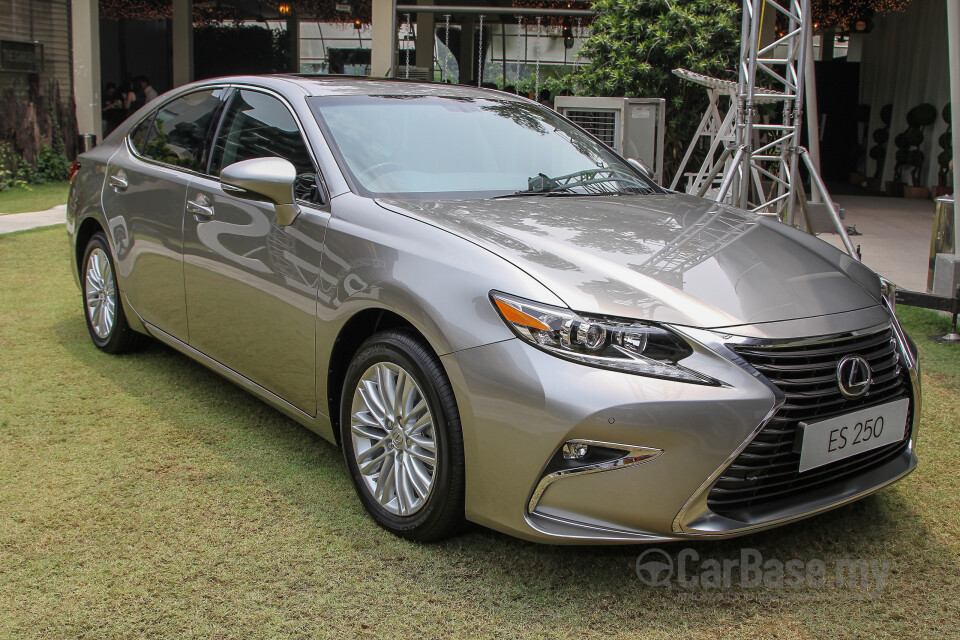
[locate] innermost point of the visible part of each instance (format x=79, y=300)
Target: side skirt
x=319, y=424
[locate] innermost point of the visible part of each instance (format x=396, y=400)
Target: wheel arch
x=86, y=230
x=354, y=332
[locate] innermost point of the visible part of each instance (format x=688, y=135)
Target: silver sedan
x=497, y=318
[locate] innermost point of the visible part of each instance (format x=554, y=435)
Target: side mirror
x=270, y=178
x=641, y=166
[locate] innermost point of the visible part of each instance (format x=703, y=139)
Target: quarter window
x=179, y=129
x=139, y=133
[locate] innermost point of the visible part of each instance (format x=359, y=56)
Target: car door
x=143, y=200
x=251, y=283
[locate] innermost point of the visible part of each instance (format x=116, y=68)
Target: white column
x=383, y=52
x=85, y=20
x=182, y=42
x=425, y=39
x=953, y=33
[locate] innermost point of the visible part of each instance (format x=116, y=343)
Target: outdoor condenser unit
x=633, y=127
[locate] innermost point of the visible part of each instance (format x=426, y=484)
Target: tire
x=102, y=308
x=388, y=452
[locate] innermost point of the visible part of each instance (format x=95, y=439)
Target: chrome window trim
x=286, y=103
x=719, y=341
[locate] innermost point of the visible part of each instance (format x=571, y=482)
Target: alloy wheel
x=101, y=293
x=393, y=438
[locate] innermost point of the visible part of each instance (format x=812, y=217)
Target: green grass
x=35, y=197
x=144, y=496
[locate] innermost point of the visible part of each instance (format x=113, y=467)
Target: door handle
x=119, y=181
x=199, y=210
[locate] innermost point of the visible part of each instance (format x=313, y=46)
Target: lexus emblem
x=854, y=376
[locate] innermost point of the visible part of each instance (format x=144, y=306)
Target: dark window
x=139, y=133
x=179, y=129
x=260, y=126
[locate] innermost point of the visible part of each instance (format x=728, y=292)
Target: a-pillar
x=85, y=20
x=182, y=42
x=383, y=48
x=425, y=39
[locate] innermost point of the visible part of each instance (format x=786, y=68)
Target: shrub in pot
x=909, y=154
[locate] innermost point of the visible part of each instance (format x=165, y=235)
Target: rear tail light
x=74, y=167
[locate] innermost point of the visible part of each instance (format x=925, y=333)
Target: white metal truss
x=760, y=170
x=718, y=129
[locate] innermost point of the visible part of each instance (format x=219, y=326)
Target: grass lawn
x=36, y=197
x=144, y=496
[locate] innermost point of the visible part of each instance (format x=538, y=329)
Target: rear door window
x=179, y=130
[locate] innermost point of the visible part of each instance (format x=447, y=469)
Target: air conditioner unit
x=633, y=127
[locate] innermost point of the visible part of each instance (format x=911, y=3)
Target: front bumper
x=519, y=405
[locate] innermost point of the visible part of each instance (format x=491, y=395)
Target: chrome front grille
x=767, y=471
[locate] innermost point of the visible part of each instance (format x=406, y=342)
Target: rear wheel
x=401, y=437
x=103, y=310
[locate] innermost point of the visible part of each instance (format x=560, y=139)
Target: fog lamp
x=575, y=450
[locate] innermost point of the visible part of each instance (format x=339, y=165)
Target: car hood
x=667, y=258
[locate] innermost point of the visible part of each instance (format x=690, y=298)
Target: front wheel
x=101, y=299
x=401, y=437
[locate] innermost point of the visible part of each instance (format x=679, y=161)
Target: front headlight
x=611, y=343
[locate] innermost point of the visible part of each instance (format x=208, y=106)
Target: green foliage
x=922, y=115
x=634, y=47
x=52, y=166
x=886, y=114
x=11, y=168
x=908, y=143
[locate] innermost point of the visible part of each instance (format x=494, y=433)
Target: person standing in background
x=149, y=93
x=113, y=108
x=129, y=97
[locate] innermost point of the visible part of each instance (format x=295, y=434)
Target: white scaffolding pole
x=764, y=176
x=953, y=33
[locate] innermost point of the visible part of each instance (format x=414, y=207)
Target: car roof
x=323, y=85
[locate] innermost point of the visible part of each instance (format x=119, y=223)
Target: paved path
x=896, y=236
x=20, y=221
x=895, y=240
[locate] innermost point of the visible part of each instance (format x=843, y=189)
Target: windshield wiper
x=562, y=194
x=588, y=180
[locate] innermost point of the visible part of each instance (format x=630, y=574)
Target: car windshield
x=467, y=147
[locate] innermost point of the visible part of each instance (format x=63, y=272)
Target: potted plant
x=879, y=151
x=909, y=153
x=858, y=173
x=945, y=156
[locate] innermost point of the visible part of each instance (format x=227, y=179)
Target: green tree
x=634, y=47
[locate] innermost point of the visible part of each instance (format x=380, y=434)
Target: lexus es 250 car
x=497, y=318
